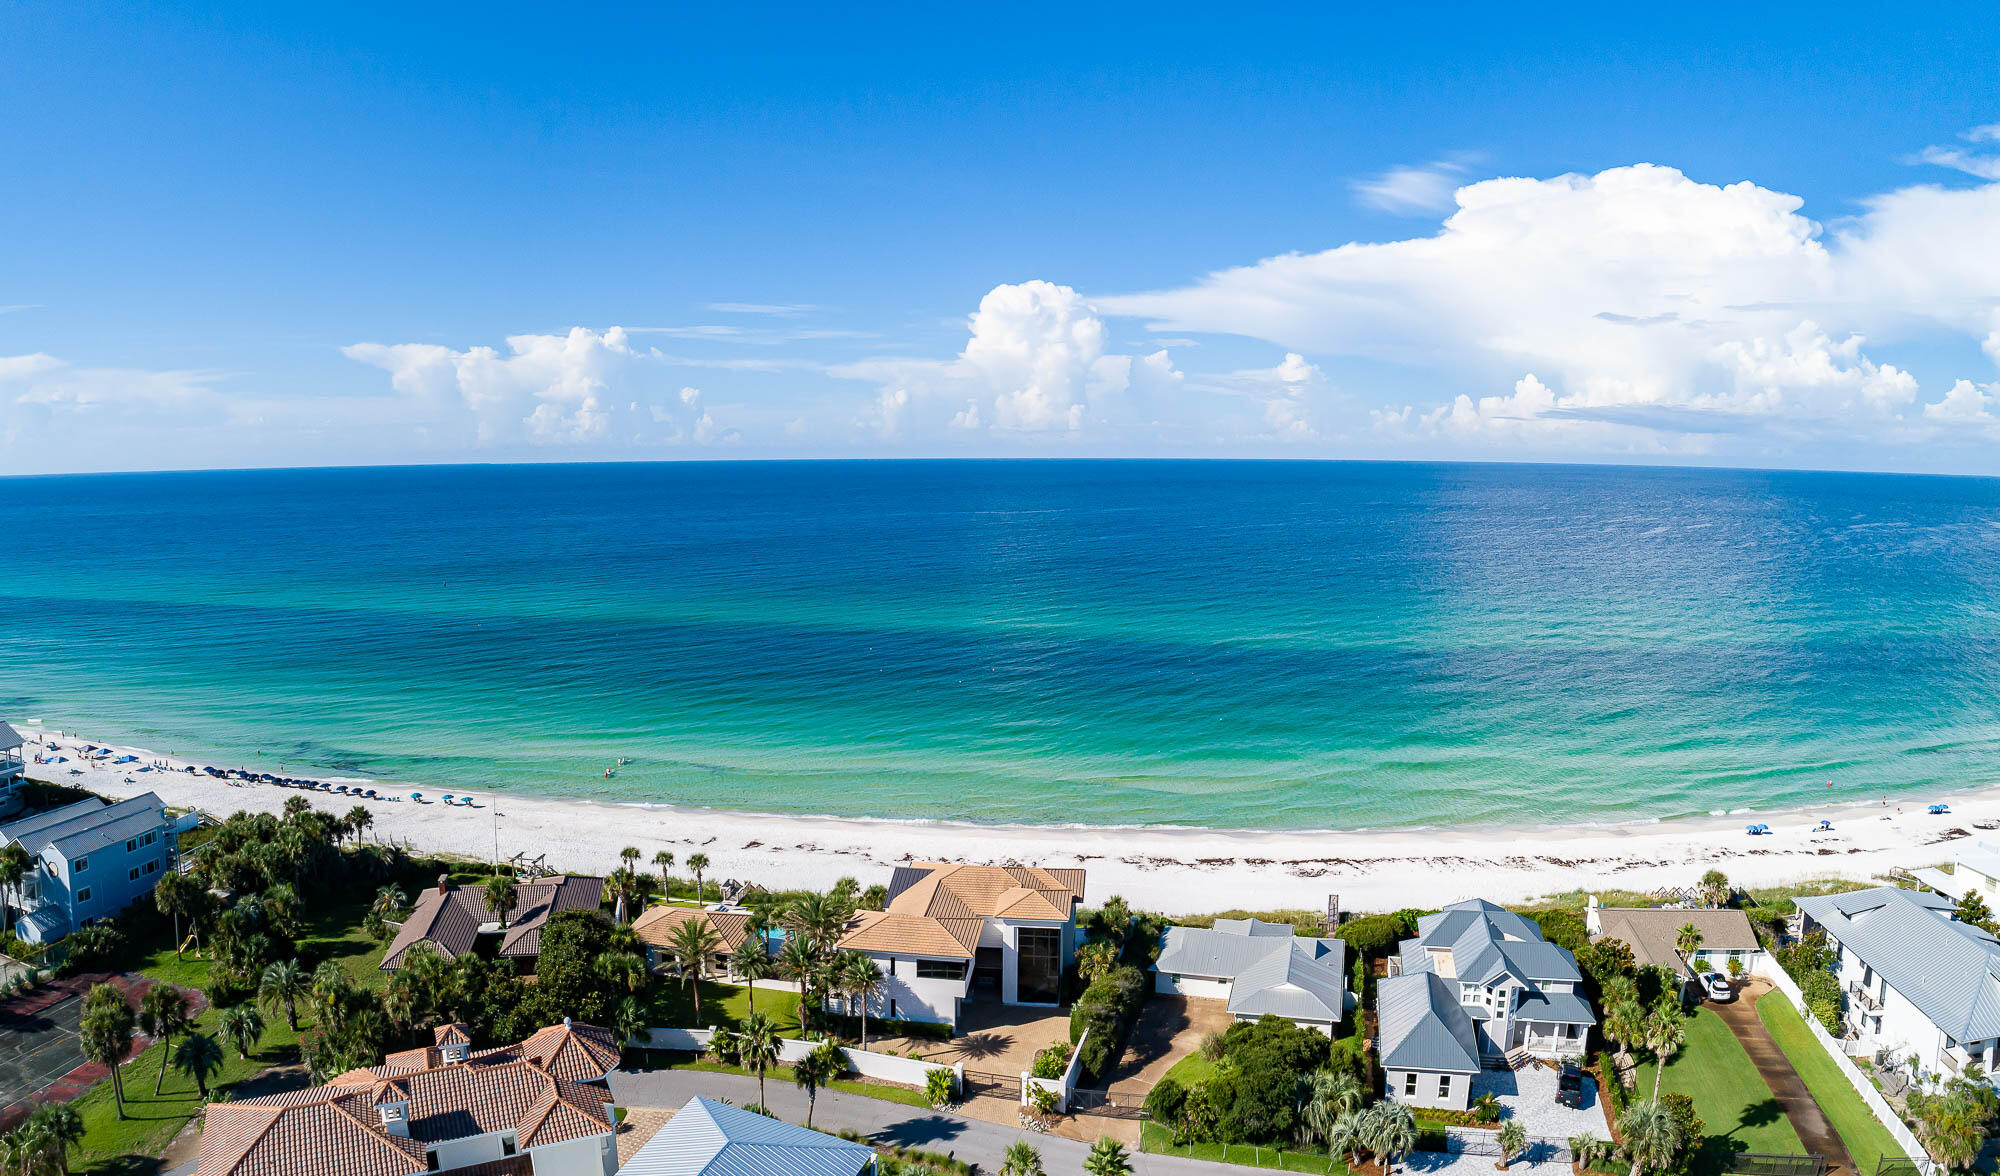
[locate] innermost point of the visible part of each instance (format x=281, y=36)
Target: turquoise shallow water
x=1215, y=643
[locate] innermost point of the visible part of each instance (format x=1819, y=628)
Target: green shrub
x=1166, y=1101
x=1105, y=1012
x=1051, y=1062
x=940, y=1087
x=1374, y=935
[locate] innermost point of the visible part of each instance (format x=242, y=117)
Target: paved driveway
x=1169, y=1028
x=1528, y=1096
x=992, y=1038
x=1776, y=1069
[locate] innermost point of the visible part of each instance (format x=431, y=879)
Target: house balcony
x=1864, y=998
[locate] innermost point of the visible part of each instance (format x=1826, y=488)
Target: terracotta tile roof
x=894, y=933
x=453, y=1033
x=944, y=891
x=540, y=1089
x=656, y=927
x=449, y=918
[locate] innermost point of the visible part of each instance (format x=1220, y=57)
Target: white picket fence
x=1768, y=968
x=1062, y=1087
x=866, y=1062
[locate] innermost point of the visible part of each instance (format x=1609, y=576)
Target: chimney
x=444, y=883
x=395, y=1118
x=1592, y=921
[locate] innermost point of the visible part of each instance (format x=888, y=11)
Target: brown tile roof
x=895, y=933
x=539, y=1089
x=656, y=927
x=1650, y=932
x=449, y=919
x=944, y=891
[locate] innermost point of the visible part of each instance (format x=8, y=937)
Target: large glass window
x=940, y=969
x=1039, y=980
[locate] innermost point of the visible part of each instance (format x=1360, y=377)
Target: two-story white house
x=1478, y=985
x=537, y=1108
x=950, y=931
x=13, y=769
x=92, y=860
x=1914, y=980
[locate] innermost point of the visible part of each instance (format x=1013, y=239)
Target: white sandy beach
x=1173, y=870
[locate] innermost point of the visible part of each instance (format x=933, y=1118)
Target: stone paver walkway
x=1806, y=1118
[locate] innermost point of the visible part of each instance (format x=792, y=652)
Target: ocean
x=1242, y=644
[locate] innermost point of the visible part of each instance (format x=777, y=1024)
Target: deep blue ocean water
x=1206, y=643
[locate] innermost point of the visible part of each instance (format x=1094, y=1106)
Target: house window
x=940, y=969
x=132, y=875
x=131, y=844
x=1410, y=1085
x=82, y=864
x=83, y=895
x=1039, y=967
x=1570, y=1031
x=152, y=867
x=149, y=839
x=1444, y=1087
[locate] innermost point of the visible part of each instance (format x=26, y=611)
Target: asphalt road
x=888, y=1122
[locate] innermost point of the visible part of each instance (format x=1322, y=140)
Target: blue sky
x=267, y=236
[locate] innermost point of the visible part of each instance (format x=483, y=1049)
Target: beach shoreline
x=1175, y=870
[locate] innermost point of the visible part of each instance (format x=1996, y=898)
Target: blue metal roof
x=707, y=1138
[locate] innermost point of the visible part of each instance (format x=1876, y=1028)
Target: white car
x=1716, y=987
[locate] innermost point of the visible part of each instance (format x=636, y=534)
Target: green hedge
x=1106, y=1010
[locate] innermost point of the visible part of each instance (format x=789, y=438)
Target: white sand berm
x=1172, y=870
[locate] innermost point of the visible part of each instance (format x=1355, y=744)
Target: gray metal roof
x=1949, y=970
x=1273, y=972
x=9, y=737
x=83, y=828
x=1422, y=1025
x=1563, y=1008
x=715, y=1139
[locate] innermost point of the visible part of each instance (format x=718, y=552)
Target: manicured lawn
x=111, y=1146
x=1866, y=1139
x=722, y=1004
x=783, y=1074
x=1737, y=1109
x=1192, y=1070
x=1158, y=1140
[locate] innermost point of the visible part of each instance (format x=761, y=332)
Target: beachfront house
x=453, y=919
x=1915, y=981
x=1259, y=968
x=1653, y=934
x=1478, y=986
x=950, y=931
x=13, y=769
x=92, y=860
x=1975, y=870
x=536, y=1108
x=730, y=924
x=709, y=1138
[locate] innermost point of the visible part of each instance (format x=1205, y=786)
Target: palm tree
x=1095, y=959
x=798, y=961
x=753, y=961
x=1331, y=1096
x=1625, y=1022
x=172, y=894
x=665, y=861
x=1022, y=1160
x=695, y=947
x=242, y=1026
x=759, y=1047
x=62, y=1128
x=1585, y=1149
x=826, y=1062
x=815, y=919
x=388, y=900
x=282, y=986
x=1687, y=941
x=1652, y=1136
x=358, y=819
x=628, y=1020
x=1393, y=1133
x=1107, y=1158
x=163, y=1012
x=697, y=862
x=501, y=894
x=624, y=884
x=1512, y=1139
x=861, y=980
x=198, y=1056
x=1666, y=1032
x=108, y=1022
x=1350, y=1136
x=629, y=855
x=15, y=865
x=1715, y=888
x=27, y=1149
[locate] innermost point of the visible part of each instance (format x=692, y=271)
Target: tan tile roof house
x=948, y=927
x=449, y=917
x=537, y=1107
x=655, y=928
x=1651, y=931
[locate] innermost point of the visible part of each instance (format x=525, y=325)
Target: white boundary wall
x=1768, y=968
x=865, y=1062
x=1062, y=1087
